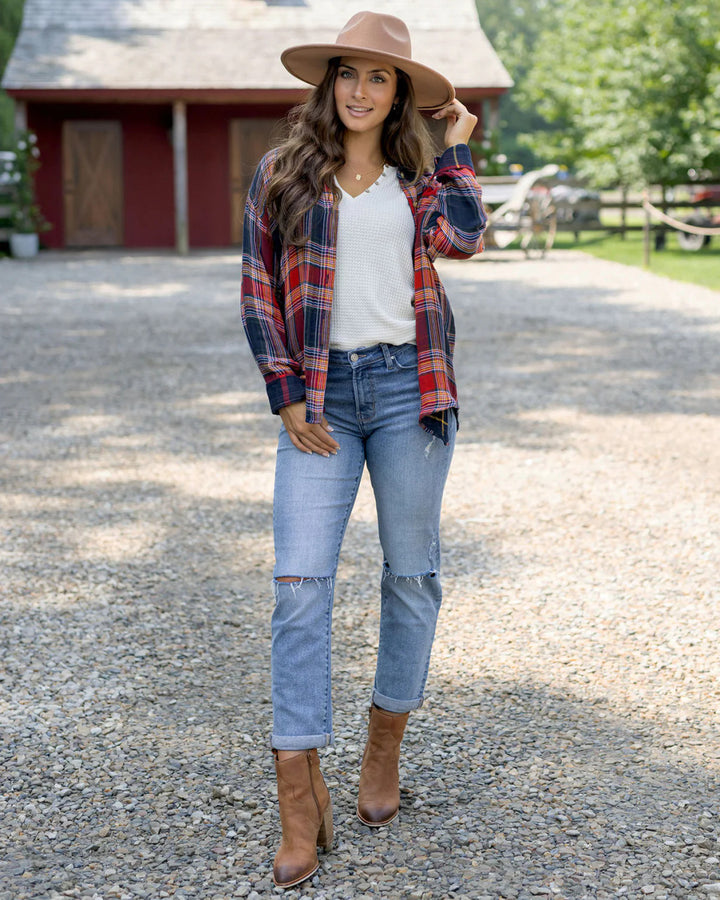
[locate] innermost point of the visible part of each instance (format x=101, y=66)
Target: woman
x=352, y=330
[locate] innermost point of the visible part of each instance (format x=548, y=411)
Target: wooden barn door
x=249, y=141
x=92, y=184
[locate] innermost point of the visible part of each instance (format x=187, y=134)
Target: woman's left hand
x=460, y=123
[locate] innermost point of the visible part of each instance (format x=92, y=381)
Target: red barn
x=152, y=114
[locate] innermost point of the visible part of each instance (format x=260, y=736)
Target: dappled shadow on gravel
x=136, y=547
x=526, y=347
x=523, y=347
x=111, y=350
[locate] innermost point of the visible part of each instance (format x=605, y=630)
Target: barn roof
x=223, y=44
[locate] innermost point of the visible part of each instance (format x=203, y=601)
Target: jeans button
x=354, y=357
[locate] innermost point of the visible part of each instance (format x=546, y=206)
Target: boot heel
x=325, y=835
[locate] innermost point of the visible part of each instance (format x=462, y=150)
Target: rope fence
x=676, y=223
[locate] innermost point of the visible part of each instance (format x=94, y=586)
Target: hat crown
x=377, y=31
x=373, y=36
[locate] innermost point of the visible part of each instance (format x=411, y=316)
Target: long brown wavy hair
x=314, y=152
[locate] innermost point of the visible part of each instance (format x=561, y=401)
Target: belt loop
x=387, y=354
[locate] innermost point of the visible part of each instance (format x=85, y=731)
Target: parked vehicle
x=576, y=205
x=705, y=217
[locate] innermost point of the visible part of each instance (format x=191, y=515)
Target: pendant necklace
x=360, y=175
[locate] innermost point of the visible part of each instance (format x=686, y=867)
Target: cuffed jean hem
x=301, y=741
x=396, y=706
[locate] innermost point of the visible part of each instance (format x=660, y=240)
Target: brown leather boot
x=305, y=816
x=379, y=794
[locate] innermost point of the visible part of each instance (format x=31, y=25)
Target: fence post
x=646, y=234
x=623, y=212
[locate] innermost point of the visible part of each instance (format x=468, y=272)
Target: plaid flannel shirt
x=287, y=291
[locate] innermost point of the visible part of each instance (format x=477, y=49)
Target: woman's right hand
x=306, y=437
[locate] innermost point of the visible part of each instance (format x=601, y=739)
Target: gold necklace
x=360, y=175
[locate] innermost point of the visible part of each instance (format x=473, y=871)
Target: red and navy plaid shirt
x=287, y=291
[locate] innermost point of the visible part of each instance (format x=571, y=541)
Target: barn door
x=92, y=184
x=249, y=141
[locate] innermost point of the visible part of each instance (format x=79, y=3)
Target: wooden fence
x=624, y=212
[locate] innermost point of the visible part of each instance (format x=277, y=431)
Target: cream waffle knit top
x=374, y=273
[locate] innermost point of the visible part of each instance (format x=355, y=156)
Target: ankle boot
x=379, y=794
x=305, y=816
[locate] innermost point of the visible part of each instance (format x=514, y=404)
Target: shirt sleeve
x=261, y=306
x=453, y=216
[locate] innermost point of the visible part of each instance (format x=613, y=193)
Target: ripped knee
x=301, y=579
x=419, y=577
x=299, y=584
x=414, y=576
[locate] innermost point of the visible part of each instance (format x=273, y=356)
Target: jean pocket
x=404, y=357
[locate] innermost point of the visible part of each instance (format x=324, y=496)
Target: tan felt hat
x=378, y=36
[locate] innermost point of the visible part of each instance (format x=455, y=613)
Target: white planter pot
x=23, y=246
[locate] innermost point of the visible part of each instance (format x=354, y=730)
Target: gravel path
x=570, y=747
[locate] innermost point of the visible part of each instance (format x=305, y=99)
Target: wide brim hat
x=378, y=36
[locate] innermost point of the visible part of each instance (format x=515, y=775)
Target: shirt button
x=354, y=357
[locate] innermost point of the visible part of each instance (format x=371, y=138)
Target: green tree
x=513, y=29
x=10, y=19
x=634, y=89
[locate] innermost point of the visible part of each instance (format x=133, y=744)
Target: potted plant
x=27, y=220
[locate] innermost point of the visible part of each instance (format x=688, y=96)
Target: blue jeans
x=372, y=401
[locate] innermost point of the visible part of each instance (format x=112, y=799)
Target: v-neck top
x=374, y=284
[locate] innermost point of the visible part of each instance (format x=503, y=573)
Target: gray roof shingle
x=223, y=44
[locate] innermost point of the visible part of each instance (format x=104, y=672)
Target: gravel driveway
x=570, y=747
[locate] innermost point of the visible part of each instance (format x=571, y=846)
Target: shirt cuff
x=285, y=390
x=456, y=157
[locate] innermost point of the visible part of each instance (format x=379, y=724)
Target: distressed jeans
x=372, y=401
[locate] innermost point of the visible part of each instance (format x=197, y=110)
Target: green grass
x=702, y=267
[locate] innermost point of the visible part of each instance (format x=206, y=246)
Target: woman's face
x=365, y=91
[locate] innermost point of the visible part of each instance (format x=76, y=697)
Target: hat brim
x=308, y=62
